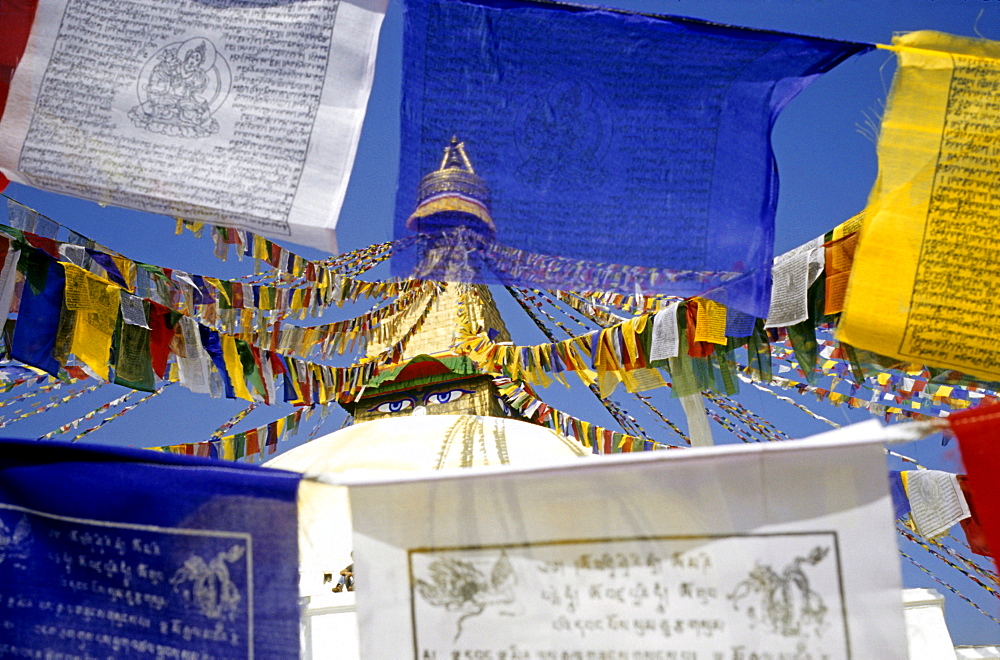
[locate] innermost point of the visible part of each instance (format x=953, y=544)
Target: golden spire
x=452, y=195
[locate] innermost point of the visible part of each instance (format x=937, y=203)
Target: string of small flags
x=905, y=533
x=954, y=554
x=122, y=412
x=598, y=439
x=245, y=444
x=41, y=389
x=234, y=420
x=51, y=405
x=948, y=587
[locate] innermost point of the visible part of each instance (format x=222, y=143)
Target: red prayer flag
x=976, y=430
x=971, y=526
x=16, y=17
x=161, y=334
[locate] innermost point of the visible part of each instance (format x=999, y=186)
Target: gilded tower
x=453, y=208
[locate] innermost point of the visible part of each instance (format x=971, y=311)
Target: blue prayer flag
x=131, y=553
x=600, y=149
x=38, y=316
x=900, y=502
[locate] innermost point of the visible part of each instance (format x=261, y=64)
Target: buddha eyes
x=432, y=399
x=445, y=397
x=393, y=406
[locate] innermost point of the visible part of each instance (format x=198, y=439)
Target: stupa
x=431, y=408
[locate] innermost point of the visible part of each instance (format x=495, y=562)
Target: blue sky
x=826, y=168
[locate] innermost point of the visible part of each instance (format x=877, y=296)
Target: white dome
x=413, y=444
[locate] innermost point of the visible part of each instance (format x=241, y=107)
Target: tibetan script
x=669, y=598
x=211, y=111
x=925, y=267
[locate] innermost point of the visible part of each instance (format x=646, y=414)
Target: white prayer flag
x=936, y=501
x=775, y=550
x=792, y=274
x=665, y=337
x=240, y=114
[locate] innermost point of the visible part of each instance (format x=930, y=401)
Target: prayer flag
x=936, y=501
x=16, y=17
x=95, y=303
x=241, y=114
x=709, y=549
x=620, y=151
x=132, y=553
x=922, y=287
x=134, y=362
x=976, y=430
x=39, y=311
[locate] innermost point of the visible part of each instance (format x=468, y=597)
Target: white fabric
x=936, y=501
x=403, y=445
x=74, y=254
x=193, y=367
x=665, y=338
x=133, y=311
x=776, y=549
x=260, y=133
x=699, y=431
x=8, y=280
x=793, y=272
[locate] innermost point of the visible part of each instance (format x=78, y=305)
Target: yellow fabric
x=641, y=380
x=848, y=226
x=839, y=261
x=630, y=333
x=260, y=248
x=540, y=360
x=96, y=302
x=127, y=268
x=217, y=284
x=710, y=324
x=235, y=368
x=266, y=300
x=921, y=287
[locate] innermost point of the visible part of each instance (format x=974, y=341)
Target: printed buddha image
x=179, y=89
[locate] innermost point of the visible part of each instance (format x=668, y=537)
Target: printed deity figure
x=175, y=101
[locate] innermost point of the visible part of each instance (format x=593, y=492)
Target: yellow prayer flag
x=848, y=226
x=839, y=261
x=630, y=333
x=235, y=368
x=127, y=268
x=96, y=302
x=217, y=285
x=919, y=289
x=710, y=324
x=641, y=380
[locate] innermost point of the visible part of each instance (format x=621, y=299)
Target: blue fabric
x=900, y=502
x=212, y=344
x=202, y=292
x=111, y=268
x=38, y=315
x=623, y=151
x=119, y=553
